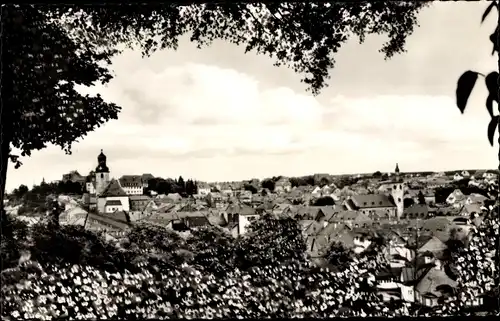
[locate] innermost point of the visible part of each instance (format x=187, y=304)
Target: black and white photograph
x=200, y=159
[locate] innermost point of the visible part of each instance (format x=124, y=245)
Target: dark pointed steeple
x=101, y=161
x=397, y=169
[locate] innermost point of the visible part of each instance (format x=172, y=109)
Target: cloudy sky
x=220, y=114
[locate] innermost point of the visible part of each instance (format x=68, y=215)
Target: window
x=399, y=199
x=102, y=175
x=394, y=187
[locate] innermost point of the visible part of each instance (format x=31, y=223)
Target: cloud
x=220, y=114
x=192, y=115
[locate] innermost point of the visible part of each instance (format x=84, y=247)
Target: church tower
x=397, y=192
x=101, y=174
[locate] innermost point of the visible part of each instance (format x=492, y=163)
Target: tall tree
x=181, y=185
x=41, y=64
x=421, y=198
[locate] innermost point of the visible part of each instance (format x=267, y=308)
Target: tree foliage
x=324, y=201
x=271, y=241
x=339, y=256
x=214, y=250
x=48, y=51
x=468, y=79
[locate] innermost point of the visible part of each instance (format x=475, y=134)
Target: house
x=283, y=185
x=244, y=220
x=351, y=219
x=75, y=215
x=145, y=178
x=434, y=246
x=189, y=220
x=304, y=212
x=203, y=188
x=279, y=209
x=245, y=197
x=465, y=174
x=112, y=206
x=313, y=228
x=234, y=210
x=117, y=221
x=370, y=202
x=457, y=177
x=455, y=197
x=325, y=213
x=475, y=199
x=90, y=184
x=226, y=190
x=420, y=211
x=139, y=202
x=74, y=177
x=304, y=226
x=489, y=176
x=132, y=184
x=469, y=210
x=316, y=192
x=113, y=192
x=431, y=287
x=215, y=200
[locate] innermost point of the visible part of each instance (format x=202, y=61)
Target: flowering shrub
x=474, y=268
x=156, y=279
x=83, y=292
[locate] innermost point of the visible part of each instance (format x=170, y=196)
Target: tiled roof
x=433, y=245
x=113, y=203
x=130, y=180
x=139, y=198
x=174, y=196
x=436, y=223
x=113, y=189
x=241, y=209
x=118, y=220
x=417, y=209
x=328, y=211
x=306, y=212
x=314, y=228
x=371, y=201
x=146, y=177
x=350, y=216
x=433, y=279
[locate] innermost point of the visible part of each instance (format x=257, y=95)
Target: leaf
x=488, y=10
x=489, y=105
x=493, y=39
x=491, y=81
x=491, y=128
x=465, y=84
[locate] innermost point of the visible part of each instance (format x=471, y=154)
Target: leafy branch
x=468, y=79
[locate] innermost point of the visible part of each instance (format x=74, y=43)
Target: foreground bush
x=284, y=291
x=154, y=273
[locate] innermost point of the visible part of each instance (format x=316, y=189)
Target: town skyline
x=179, y=118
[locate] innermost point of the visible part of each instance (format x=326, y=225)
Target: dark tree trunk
x=4, y=162
x=6, y=84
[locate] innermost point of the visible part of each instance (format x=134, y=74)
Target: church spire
x=397, y=169
x=101, y=161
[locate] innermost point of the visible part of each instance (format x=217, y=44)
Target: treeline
x=312, y=180
x=169, y=186
x=442, y=193
x=34, y=200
